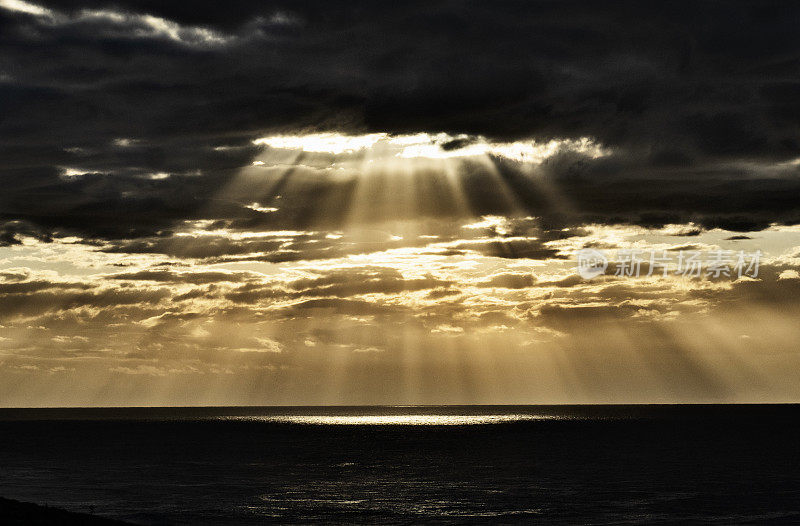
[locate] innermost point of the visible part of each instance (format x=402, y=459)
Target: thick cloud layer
x=359, y=203
x=156, y=106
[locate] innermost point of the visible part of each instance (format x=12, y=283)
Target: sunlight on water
x=402, y=420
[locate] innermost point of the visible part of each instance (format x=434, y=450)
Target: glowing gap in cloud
x=431, y=146
x=24, y=7
x=122, y=24
x=322, y=142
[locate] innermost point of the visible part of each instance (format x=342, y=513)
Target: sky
x=300, y=203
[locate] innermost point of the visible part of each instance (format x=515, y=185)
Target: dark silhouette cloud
x=509, y=280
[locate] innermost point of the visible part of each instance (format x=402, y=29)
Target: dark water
x=571, y=465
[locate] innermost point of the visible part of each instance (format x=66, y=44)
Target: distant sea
x=409, y=465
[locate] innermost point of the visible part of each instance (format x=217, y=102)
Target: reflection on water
x=409, y=465
x=390, y=420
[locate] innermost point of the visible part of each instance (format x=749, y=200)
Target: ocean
x=408, y=465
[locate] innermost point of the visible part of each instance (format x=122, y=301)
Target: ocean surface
x=407, y=465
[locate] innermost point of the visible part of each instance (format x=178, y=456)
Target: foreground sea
x=735, y=464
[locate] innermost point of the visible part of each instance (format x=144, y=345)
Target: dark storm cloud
x=625, y=188
x=294, y=246
x=194, y=278
x=698, y=102
x=39, y=285
x=532, y=249
x=337, y=284
x=509, y=280
x=355, y=282
x=30, y=303
x=11, y=230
